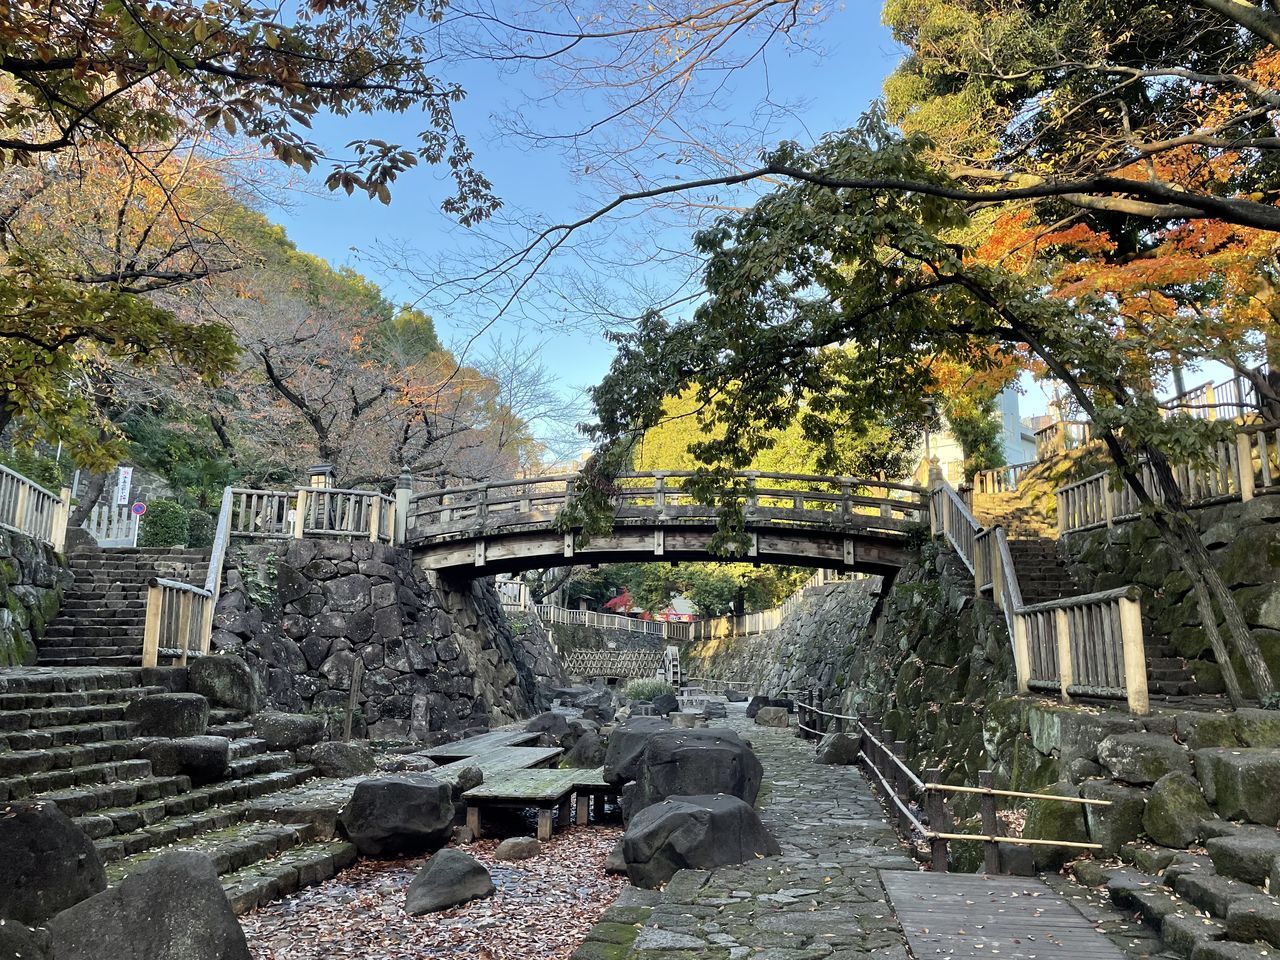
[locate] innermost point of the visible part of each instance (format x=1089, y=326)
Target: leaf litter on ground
x=542, y=909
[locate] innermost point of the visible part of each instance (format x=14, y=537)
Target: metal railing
x=919, y=804
x=661, y=497
x=1237, y=469
x=1090, y=645
x=30, y=509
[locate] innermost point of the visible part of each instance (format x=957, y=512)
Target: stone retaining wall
x=437, y=655
x=32, y=581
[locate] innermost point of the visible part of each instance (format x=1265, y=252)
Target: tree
x=811, y=267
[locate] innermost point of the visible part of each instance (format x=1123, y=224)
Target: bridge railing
x=312, y=512
x=780, y=498
x=29, y=508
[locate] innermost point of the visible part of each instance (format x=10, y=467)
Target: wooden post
x=20, y=506
x=151, y=632
x=582, y=808
x=900, y=786
x=375, y=517
x=1210, y=400
x=1244, y=465
x=353, y=698
x=1108, y=502
x=184, y=627
x=473, y=821
x=1021, y=653
x=404, y=489
x=300, y=514
x=935, y=812
x=1135, y=657
x=1062, y=513
x=61, y=514
x=660, y=493
x=990, y=825
x=1062, y=632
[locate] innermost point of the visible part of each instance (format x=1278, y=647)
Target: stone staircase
x=267, y=822
x=1042, y=576
x=1211, y=906
x=103, y=614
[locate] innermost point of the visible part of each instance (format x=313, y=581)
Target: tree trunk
x=89, y=500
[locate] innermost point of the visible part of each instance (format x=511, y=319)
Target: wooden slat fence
x=30, y=509
x=176, y=616
x=919, y=804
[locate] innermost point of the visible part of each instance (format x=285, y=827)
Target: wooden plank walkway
x=499, y=760
x=473, y=746
x=958, y=916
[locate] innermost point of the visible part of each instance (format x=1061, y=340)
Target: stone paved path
x=821, y=899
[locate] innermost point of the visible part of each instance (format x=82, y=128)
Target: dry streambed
x=541, y=911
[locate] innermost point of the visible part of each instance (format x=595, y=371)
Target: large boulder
x=1175, y=811
x=404, y=813
x=693, y=832
x=772, y=717
x=450, y=877
x=837, y=748
x=693, y=763
x=553, y=726
x=754, y=705
x=19, y=942
x=587, y=753
x=227, y=680
x=626, y=745
x=1140, y=758
x=170, y=715
x=665, y=703
x=174, y=907
x=203, y=759
x=288, y=731
x=338, y=759
x=47, y=863
x=1241, y=784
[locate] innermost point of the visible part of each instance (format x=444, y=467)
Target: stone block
x=1119, y=823
x=170, y=715
x=1241, y=784
x=1047, y=819
x=1141, y=758
x=1246, y=855
x=772, y=717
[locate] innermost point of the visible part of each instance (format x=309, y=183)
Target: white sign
x=124, y=480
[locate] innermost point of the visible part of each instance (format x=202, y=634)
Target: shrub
x=200, y=528
x=647, y=689
x=163, y=525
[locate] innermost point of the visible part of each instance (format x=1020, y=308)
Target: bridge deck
x=473, y=746
x=962, y=915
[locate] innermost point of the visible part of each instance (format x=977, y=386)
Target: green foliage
x=165, y=524
x=647, y=689
x=36, y=466
x=978, y=428
x=200, y=528
x=713, y=588
x=183, y=451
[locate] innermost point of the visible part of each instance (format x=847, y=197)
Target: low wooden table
x=549, y=791
x=591, y=786
x=473, y=746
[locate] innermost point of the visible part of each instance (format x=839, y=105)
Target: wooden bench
x=548, y=791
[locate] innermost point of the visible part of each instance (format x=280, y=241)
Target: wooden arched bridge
x=793, y=519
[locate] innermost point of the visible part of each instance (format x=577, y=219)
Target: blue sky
x=835, y=85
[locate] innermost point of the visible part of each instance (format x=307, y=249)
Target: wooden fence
x=1236, y=469
x=312, y=512
x=919, y=804
x=1091, y=645
x=177, y=616
x=28, y=508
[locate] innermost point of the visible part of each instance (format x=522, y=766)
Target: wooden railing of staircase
x=1242, y=468
x=1090, y=645
x=919, y=804
x=30, y=509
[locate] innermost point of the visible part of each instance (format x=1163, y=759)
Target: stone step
x=93, y=774
x=24, y=763
x=73, y=698
x=127, y=829
x=79, y=659
x=78, y=801
x=106, y=628
x=280, y=876
x=233, y=731
x=53, y=681
x=1182, y=927
x=59, y=716
x=49, y=737
x=230, y=848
